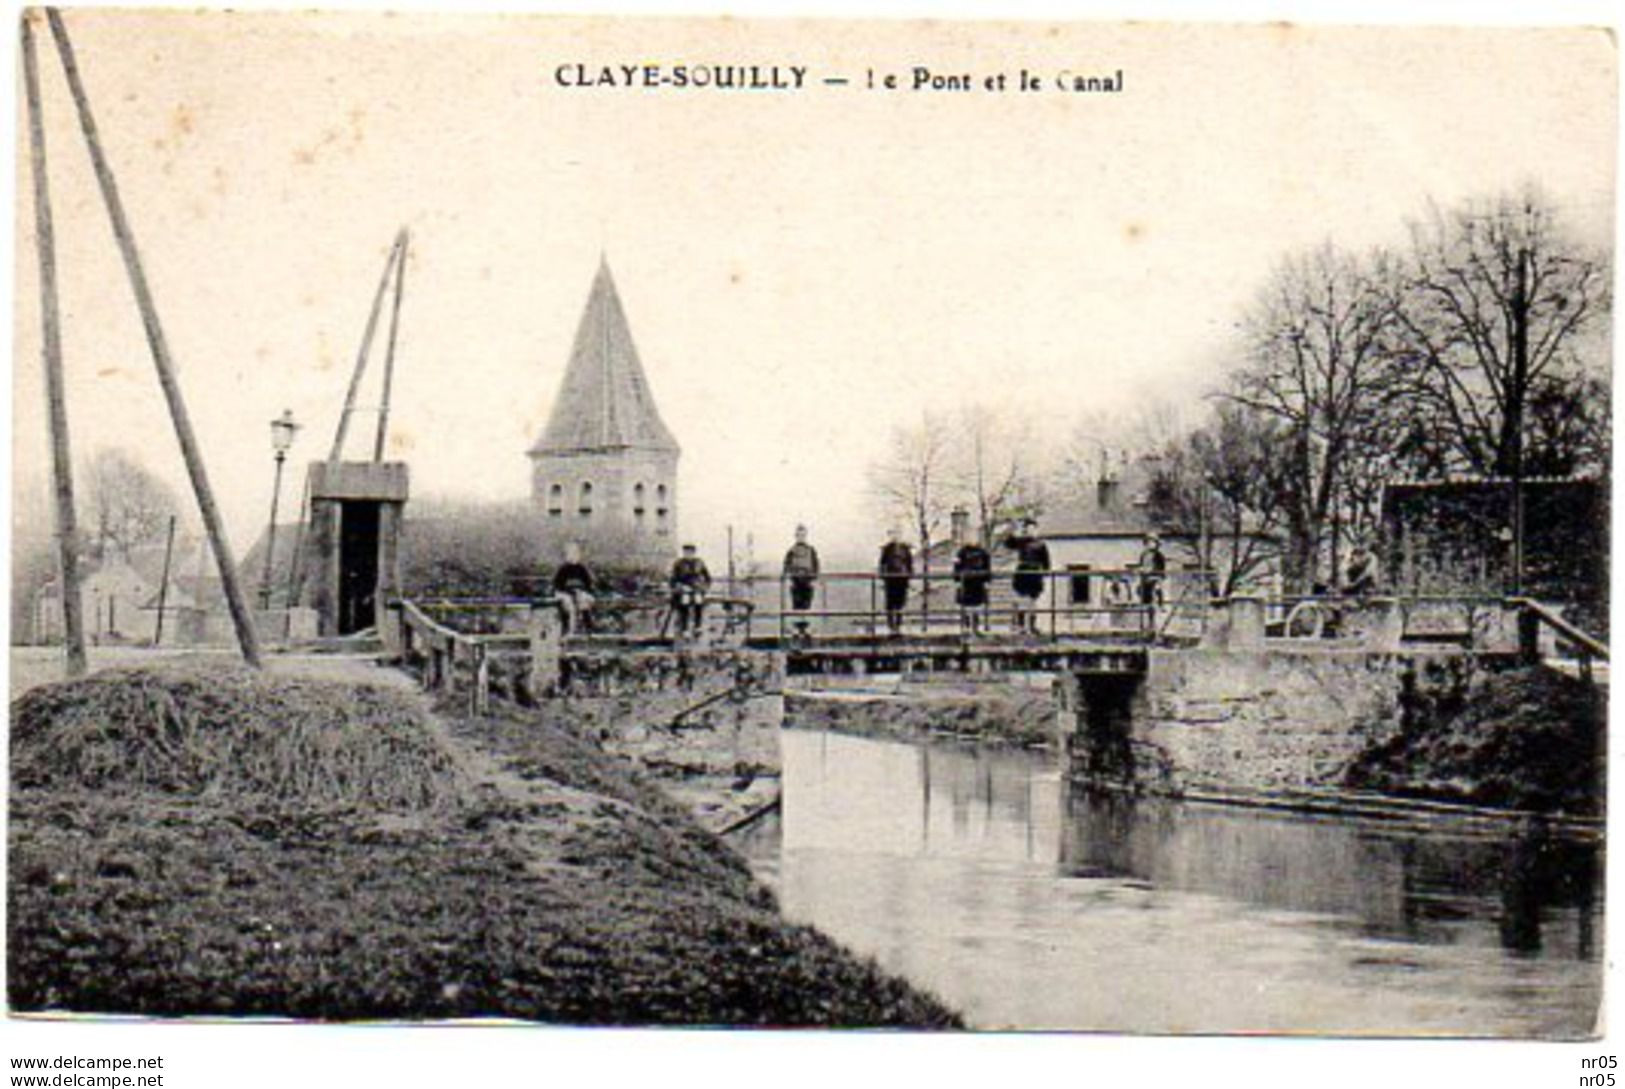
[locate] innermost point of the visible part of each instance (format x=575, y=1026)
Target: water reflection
x=979, y=875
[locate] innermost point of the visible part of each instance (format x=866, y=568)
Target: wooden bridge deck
x=1122, y=654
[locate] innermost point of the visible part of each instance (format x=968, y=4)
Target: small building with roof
x=604, y=470
x=1458, y=535
x=1101, y=532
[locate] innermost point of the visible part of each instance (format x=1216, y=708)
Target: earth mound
x=231, y=735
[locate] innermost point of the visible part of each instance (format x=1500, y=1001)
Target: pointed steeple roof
x=604, y=401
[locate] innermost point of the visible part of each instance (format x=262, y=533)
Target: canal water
x=976, y=874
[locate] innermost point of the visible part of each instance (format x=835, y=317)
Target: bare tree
x=996, y=470
x=913, y=483
x=1227, y=477
x=1498, y=305
x=1319, y=343
x=128, y=505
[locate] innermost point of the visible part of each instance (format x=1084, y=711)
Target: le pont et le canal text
x=800, y=77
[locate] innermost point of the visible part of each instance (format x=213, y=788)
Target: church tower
x=604, y=471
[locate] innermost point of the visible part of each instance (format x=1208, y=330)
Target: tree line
x=1478, y=348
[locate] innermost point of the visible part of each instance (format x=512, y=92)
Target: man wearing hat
x=1032, y=565
x=1153, y=568
x=801, y=571
x=689, y=582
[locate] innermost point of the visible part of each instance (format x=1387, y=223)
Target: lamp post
x=283, y=429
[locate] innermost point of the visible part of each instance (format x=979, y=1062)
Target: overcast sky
x=802, y=270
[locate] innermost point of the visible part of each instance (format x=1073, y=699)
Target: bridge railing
x=1120, y=603
x=1583, y=647
x=1466, y=620
x=448, y=654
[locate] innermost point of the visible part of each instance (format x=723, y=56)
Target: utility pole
x=1516, y=393
x=247, y=638
x=731, y=561
x=67, y=527
x=163, y=586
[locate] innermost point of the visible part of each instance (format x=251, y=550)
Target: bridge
x=1103, y=623
x=1184, y=694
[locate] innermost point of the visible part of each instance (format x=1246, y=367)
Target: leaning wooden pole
x=241, y=619
x=364, y=352
x=67, y=528
x=389, y=348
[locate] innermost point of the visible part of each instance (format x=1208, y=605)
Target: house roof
x=1110, y=507
x=604, y=402
x=1115, y=508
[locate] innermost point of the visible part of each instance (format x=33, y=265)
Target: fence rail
x=1070, y=602
x=1532, y=616
x=444, y=651
x=457, y=640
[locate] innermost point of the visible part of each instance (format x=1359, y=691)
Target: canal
x=976, y=873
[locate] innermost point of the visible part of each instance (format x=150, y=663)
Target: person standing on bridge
x=1032, y=567
x=973, y=570
x=690, y=581
x=1153, y=568
x=896, y=568
x=801, y=570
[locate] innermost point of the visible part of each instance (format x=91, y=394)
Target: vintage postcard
x=1032, y=526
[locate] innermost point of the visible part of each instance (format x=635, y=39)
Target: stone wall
x=1213, y=719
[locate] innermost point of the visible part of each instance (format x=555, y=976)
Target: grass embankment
x=1526, y=738
x=212, y=841
x=1000, y=714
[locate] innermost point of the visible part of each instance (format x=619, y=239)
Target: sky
x=802, y=271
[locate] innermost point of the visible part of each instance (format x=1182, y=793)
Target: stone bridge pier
x=1245, y=713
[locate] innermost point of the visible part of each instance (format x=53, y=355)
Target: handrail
x=1586, y=641
x=446, y=647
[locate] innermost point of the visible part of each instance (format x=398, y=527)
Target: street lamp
x=283, y=429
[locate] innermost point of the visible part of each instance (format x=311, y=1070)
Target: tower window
x=637, y=500
x=555, y=500
x=584, y=507
x=660, y=502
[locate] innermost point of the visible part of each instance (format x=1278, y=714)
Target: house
x=1099, y=535
x=118, y=603
x=604, y=470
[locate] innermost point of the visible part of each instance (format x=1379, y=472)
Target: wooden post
x=361, y=356
x=247, y=638
x=482, y=680
x=1528, y=636
x=389, y=351
x=163, y=586
x=546, y=652
x=67, y=528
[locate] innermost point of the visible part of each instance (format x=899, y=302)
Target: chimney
x=1106, y=495
x=1106, y=485
x=959, y=519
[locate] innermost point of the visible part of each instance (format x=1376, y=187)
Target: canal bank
x=203, y=840
x=1015, y=710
